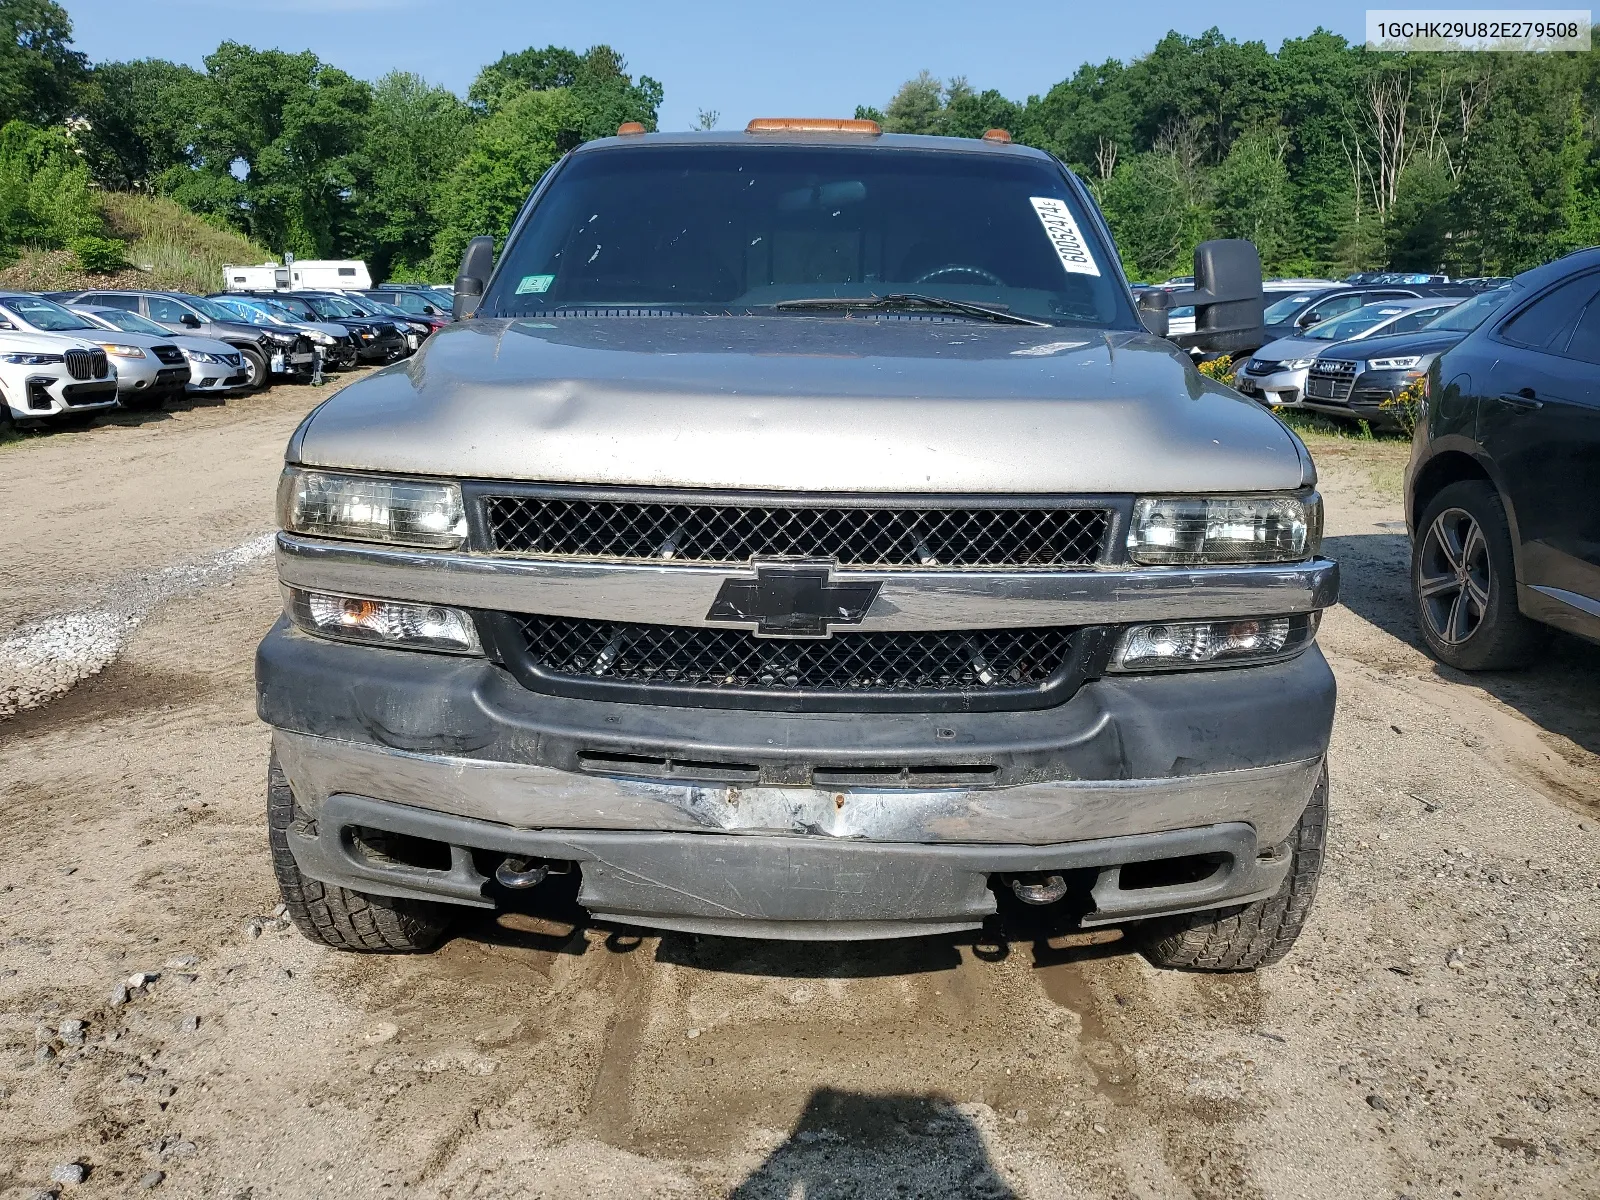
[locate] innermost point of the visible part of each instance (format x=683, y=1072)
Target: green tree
x=44, y=190
x=918, y=107
x=510, y=151
x=598, y=80
x=415, y=135
x=1252, y=199
x=142, y=120
x=275, y=141
x=1157, y=213
x=40, y=73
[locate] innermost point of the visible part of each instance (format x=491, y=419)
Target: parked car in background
x=337, y=343
x=1362, y=379
x=1304, y=307
x=1503, y=487
x=52, y=378
x=266, y=352
x=415, y=330
x=1180, y=320
x=374, y=341
x=210, y=366
x=148, y=370
x=419, y=301
x=1276, y=373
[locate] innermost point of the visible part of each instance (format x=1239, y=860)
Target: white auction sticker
x=1064, y=235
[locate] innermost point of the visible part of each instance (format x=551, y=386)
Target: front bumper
x=1279, y=389
x=44, y=396
x=1369, y=393
x=1215, y=764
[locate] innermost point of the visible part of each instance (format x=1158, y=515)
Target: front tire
x=1464, y=582
x=255, y=367
x=1248, y=936
x=336, y=916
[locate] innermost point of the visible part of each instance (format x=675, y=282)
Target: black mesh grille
x=857, y=537
x=732, y=660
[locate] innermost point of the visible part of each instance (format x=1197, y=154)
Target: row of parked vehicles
x=67, y=356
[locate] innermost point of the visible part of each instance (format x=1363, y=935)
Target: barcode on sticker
x=1064, y=235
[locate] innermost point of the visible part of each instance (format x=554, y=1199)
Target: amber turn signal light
x=813, y=125
x=629, y=127
x=996, y=135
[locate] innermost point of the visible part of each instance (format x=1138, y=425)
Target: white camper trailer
x=299, y=275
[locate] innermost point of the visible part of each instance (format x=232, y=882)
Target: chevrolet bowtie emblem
x=792, y=601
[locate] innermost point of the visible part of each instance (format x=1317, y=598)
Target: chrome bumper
x=1269, y=799
x=682, y=594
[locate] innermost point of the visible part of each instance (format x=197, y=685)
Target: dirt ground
x=1433, y=1034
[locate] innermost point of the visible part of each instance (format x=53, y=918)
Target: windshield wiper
x=907, y=300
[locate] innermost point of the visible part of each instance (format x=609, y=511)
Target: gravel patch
x=46, y=658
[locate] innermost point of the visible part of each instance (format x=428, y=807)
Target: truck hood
x=805, y=403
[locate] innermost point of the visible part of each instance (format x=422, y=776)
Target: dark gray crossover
x=800, y=536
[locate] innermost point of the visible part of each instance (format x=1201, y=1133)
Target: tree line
x=1328, y=156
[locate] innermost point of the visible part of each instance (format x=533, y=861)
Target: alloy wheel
x=1453, y=576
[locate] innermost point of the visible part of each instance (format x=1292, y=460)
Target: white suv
x=46, y=377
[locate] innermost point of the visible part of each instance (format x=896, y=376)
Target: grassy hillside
x=169, y=247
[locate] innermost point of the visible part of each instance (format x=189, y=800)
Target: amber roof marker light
x=997, y=135
x=814, y=125
x=628, y=128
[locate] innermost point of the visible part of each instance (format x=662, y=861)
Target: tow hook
x=516, y=872
x=1039, y=889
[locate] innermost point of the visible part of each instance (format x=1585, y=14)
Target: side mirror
x=1227, y=298
x=429, y=310
x=477, y=263
x=1153, y=305
x=189, y=319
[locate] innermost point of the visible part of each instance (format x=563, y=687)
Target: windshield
x=129, y=322
x=330, y=306
x=406, y=301
x=44, y=314
x=210, y=308
x=1466, y=317
x=1281, y=310
x=1354, y=324
x=294, y=304
x=742, y=228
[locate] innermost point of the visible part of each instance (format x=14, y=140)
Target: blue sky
x=813, y=58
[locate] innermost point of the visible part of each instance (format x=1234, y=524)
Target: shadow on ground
x=850, y=1145
x=1559, y=693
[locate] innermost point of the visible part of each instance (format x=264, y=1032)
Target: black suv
x=376, y=340
x=1503, y=488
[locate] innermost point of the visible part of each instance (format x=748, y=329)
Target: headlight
x=383, y=622
x=121, y=351
x=1408, y=362
x=320, y=338
x=1194, y=530
x=200, y=356
x=1298, y=364
x=1189, y=645
x=367, y=508
x=32, y=360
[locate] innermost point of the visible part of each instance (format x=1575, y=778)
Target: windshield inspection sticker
x=1064, y=235
x=540, y=283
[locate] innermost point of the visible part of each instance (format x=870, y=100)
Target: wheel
x=1248, y=936
x=336, y=916
x=1464, y=582
x=255, y=367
